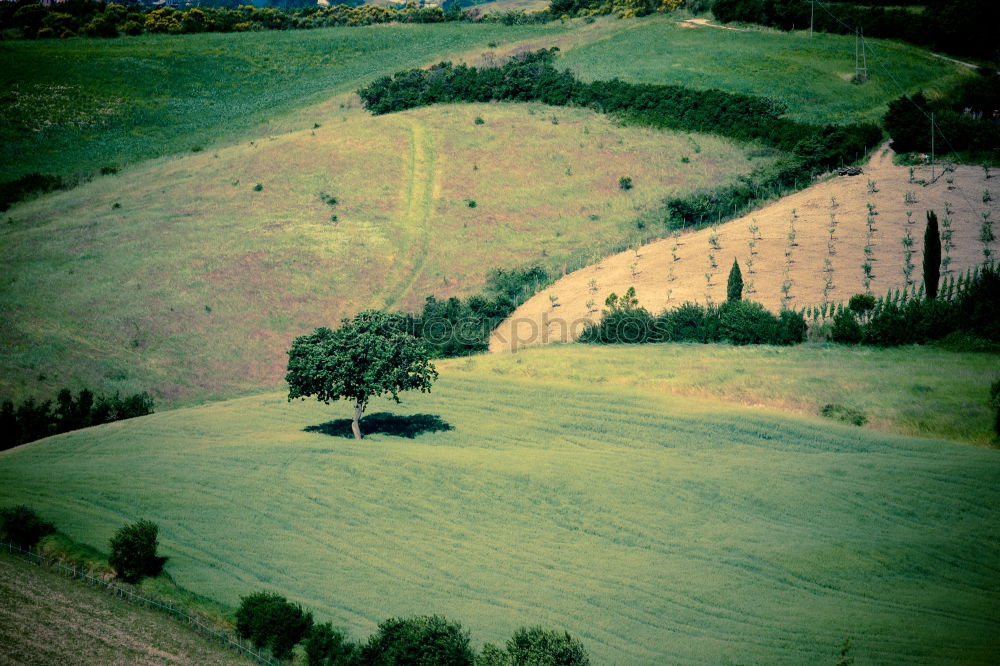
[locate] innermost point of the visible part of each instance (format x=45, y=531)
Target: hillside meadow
x=189, y=277
x=568, y=490
x=74, y=106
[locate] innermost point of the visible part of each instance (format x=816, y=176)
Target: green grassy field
x=180, y=278
x=657, y=527
x=74, y=106
x=811, y=75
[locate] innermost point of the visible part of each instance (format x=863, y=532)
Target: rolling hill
x=576, y=491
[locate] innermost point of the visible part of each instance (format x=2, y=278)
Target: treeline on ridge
x=964, y=27
x=33, y=420
x=30, y=19
x=965, y=120
x=532, y=77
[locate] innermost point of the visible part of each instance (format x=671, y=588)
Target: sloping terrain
x=189, y=277
x=661, y=281
x=656, y=527
x=47, y=620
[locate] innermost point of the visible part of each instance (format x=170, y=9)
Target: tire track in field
x=422, y=187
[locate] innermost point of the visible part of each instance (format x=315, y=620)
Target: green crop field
x=74, y=106
x=811, y=75
x=657, y=527
x=182, y=278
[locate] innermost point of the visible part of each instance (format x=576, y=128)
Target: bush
x=133, y=551
x=541, y=647
x=23, y=527
x=747, y=323
x=846, y=328
x=326, y=646
x=791, y=329
x=845, y=414
x=422, y=640
x=269, y=620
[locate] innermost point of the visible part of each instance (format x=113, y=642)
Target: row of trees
x=32, y=20
x=735, y=321
x=971, y=311
x=964, y=27
x=269, y=620
x=33, y=420
x=965, y=120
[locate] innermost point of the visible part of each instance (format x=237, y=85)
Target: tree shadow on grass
x=384, y=423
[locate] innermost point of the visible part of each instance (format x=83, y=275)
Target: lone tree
x=932, y=256
x=734, y=287
x=368, y=356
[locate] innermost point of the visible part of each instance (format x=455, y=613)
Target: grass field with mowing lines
x=656, y=527
x=811, y=75
x=181, y=278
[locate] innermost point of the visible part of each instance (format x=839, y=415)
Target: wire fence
x=128, y=593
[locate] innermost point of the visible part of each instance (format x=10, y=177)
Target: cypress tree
x=734, y=287
x=932, y=256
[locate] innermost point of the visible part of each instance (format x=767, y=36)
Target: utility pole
x=812, y=12
x=860, y=57
x=932, y=146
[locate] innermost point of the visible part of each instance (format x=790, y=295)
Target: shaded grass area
x=916, y=390
x=183, y=279
x=73, y=106
x=384, y=423
x=811, y=75
x=48, y=619
x=658, y=528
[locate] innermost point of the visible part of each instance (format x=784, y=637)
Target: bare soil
x=46, y=619
x=777, y=259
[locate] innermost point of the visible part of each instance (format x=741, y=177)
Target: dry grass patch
x=771, y=259
x=190, y=276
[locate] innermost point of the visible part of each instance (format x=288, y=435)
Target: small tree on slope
x=734, y=287
x=932, y=256
x=368, y=356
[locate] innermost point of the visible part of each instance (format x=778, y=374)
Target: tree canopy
x=371, y=355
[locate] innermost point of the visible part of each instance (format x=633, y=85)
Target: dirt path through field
x=792, y=259
x=421, y=188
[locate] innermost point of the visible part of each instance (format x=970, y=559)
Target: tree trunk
x=355, y=425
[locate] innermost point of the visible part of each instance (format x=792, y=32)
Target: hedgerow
x=970, y=310
x=735, y=322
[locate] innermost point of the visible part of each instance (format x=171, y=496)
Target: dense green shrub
x=269, y=620
x=133, y=551
x=747, y=323
x=542, y=647
x=24, y=187
x=846, y=328
x=326, y=646
x=427, y=640
x=21, y=526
